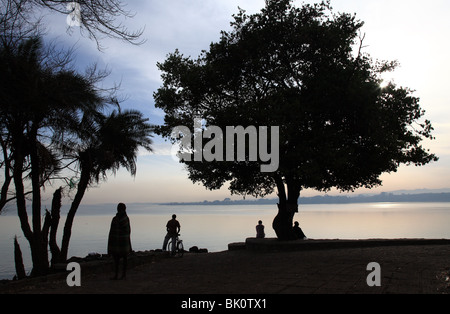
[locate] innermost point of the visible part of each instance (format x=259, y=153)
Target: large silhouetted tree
x=302, y=69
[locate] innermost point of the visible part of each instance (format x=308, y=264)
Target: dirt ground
x=412, y=269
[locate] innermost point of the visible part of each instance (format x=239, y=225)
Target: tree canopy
x=302, y=69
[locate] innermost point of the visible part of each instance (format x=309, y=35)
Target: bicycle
x=179, y=248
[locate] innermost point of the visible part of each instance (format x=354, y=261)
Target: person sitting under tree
x=260, y=230
x=298, y=231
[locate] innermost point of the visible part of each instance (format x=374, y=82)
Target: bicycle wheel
x=169, y=248
x=180, y=249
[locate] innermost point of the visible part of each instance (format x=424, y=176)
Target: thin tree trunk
x=18, y=260
x=20, y=195
x=55, y=217
x=82, y=187
x=39, y=248
x=46, y=228
x=7, y=176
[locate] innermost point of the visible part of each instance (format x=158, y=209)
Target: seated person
x=298, y=231
x=260, y=230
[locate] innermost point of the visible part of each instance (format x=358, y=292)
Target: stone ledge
x=236, y=246
x=273, y=244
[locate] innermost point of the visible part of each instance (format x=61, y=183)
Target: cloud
x=160, y=147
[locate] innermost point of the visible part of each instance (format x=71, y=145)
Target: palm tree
x=51, y=117
x=115, y=143
x=39, y=99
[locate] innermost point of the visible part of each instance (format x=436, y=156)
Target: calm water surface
x=214, y=227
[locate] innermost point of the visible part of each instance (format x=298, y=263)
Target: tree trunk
x=35, y=246
x=39, y=246
x=287, y=207
x=54, y=223
x=20, y=197
x=7, y=176
x=18, y=260
x=82, y=186
x=46, y=228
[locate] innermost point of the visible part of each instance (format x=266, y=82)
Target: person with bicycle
x=173, y=229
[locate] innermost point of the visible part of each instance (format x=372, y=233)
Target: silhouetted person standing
x=119, y=241
x=298, y=231
x=260, y=230
x=173, y=228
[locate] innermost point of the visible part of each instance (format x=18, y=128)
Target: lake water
x=214, y=227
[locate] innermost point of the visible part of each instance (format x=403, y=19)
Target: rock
x=193, y=249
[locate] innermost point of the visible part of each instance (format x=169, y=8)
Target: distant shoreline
x=384, y=197
x=327, y=199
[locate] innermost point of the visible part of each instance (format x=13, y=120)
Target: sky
x=416, y=33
